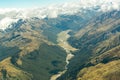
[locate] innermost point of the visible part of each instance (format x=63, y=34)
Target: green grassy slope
x=44, y=62
x=8, y=51
x=27, y=51
x=109, y=71
x=101, y=35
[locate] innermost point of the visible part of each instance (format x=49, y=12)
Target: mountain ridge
x=35, y=45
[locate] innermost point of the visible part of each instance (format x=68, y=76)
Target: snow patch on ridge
x=6, y=23
x=53, y=11
x=10, y=15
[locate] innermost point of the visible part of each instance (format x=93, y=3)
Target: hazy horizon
x=30, y=3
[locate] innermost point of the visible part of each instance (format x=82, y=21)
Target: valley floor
x=62, y=41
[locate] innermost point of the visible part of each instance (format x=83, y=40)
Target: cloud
x=51, y=11
x=6, y=22
x=67, y=8
x=8, y=15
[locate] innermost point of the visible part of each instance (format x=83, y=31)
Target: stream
x=62, y=41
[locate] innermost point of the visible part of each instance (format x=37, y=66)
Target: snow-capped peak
x=53, y=11
x=6, y=22
x=8, y=16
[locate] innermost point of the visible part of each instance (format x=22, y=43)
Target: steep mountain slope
x=96, y=39
x=11, y=72
x=109, y=71
x=26, y=46
x=34, y=43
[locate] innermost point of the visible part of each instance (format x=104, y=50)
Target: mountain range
x=71, y=41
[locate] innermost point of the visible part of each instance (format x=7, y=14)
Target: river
x=62, y=41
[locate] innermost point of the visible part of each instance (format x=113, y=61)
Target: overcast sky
x=29, y=3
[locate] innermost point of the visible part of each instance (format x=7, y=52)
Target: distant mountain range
x=53, y=11
x=71, y=41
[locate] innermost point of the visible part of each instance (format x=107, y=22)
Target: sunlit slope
x=11, y=72
x=100, y=37
x=31, y=54
x=109, y=71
